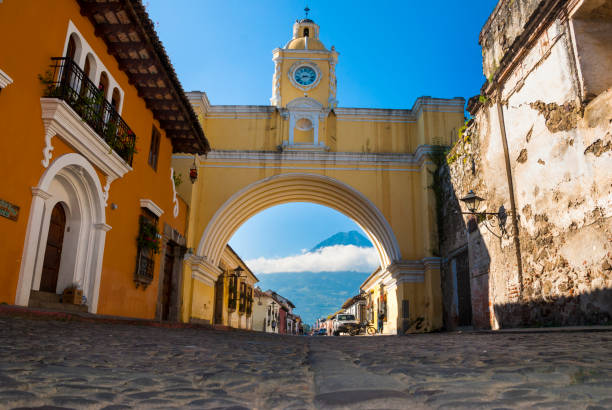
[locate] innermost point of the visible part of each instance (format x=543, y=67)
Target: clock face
x=305, y=75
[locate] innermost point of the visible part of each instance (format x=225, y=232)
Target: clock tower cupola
x=304, y=67
x=304, y=86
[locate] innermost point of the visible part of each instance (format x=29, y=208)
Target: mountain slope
x=344, y=238
x=314, y=294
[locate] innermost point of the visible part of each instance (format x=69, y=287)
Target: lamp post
x=472, y=202
x=193, y=172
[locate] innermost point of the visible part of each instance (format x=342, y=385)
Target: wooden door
x=464, y=293
x=167, y=285
x=53, y=251
x=219, y=301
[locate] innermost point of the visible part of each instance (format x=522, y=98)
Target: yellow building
x=88, y=197
x=370, y=164
x=228, y=301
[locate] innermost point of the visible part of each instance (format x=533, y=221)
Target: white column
x=30, y=247
x=93, y=288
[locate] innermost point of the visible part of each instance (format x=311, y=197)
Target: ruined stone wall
x=505, y=24
x=560, y=150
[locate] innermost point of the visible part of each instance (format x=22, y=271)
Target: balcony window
x=233, y=292
x=242, y=307
x=148, y=244
x=249, y=301
x=72, y=85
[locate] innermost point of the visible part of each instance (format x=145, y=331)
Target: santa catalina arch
x=373, y=165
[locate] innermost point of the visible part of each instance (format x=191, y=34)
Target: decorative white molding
x=415, y=159
x=151, y=206
x=333, y=102
x=103, y=227
x=105, y=192
x=304, y=63
x=203, y=270
x=50, y=132
x=402, y=272
x=241, y=109
x=40, y=193
x=83, y=49
x=276, y=95
x=61, y=120
x=297, y=51
x=199, y=101
x=310, y=109
x=84, y=203
x=5, y=79
x=175, y=210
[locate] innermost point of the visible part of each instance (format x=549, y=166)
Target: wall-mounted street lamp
x=472, y=202
x=193, y=172
x=238, y=271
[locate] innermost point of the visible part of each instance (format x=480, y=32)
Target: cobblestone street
x=97, y=365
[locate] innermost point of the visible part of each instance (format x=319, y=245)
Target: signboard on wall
x=9, y=210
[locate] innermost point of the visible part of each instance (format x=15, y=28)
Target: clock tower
x=304, y=85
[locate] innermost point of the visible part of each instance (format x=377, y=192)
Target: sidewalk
x=36, y=313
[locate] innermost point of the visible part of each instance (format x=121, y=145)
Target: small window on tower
x=306, y=32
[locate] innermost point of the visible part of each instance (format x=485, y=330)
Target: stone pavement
x=63, y=364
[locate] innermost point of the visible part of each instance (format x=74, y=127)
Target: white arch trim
x=89, y=191
x=298, y=187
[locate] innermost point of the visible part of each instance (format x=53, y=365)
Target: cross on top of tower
x=307, y=10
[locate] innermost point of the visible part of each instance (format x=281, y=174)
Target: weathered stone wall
x=499, y=33
x=560, y=154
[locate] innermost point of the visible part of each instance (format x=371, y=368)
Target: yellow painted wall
x=396, y=194
x=37, y=31
x=242, y=132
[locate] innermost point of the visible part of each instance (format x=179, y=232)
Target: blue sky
x=288, y=229
x=391, y=52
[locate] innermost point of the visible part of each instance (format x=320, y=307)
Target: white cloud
x=330, y=259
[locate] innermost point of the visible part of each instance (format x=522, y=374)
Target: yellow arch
x=298, y=187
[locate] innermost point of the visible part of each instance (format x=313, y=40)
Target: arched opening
x=90, y=67
x=306, y=32
x=73, y=53
x=89, y=70
x=103, y=84
x=68, y=195
x=297, y=246
x=53, y=250
x=209, y=264
x=116, y=99
x=297, y=187
x=71, y=50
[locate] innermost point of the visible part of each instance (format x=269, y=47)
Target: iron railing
x=70, y=83
x=144, y=269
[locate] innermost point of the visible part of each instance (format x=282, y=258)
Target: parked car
x=320, y=332
x=343, y=323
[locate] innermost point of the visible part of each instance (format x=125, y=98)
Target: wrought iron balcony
x=69, y=83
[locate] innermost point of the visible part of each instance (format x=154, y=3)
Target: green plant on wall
x=439, y=159
x=148, y=235
x=178, y=179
